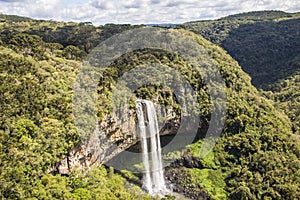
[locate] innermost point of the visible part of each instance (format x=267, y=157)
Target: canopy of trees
x=257, y=156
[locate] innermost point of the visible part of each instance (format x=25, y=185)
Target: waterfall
x=153, y=180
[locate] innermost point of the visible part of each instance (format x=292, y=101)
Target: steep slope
x=245, y=151
x=257, y=156
x=37, y=126
x=266, y=44
x=243, y=164
x=286, y=95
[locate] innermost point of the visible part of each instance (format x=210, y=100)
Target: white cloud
x=103, y=4
x=139, y=11
x=31, y=8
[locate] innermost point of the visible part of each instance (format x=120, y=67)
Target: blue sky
x=139, y=11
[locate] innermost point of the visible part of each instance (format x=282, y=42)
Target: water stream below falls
x=153, y=180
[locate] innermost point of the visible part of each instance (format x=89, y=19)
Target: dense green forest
x=257, y=156
x=83, y=35
x=266, y=45
x=37, y=127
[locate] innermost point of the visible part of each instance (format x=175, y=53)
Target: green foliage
x=36, y=117
x=13, y=18
x=27, y=44
x=257, y=157
x=241, y=193
x=286, y=95
x=260, y=15
x=260, y=163
x=98, y=183
x=73, y=53
x=37, y=127
x=199, y=180
x=263, y=42
x=260, y=156
x=83, y=35
x=266, y=44
x=252, y=126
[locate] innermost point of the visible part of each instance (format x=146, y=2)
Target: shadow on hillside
x=267, y=51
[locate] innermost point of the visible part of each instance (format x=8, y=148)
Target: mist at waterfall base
x=153, y=180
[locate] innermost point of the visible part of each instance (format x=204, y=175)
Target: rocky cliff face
x=112, y=135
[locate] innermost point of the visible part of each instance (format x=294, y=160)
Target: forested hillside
x=83, y=35
x=266, y=44
x=257, y=156
x=37, y=125
x=244, y=159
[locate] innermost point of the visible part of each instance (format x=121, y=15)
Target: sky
x=139, y=11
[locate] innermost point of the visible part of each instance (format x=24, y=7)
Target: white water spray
x=154, y=181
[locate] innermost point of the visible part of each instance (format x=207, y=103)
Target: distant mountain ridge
x=260, y=15
x=167, y=25
x=13, y=18
x=263, y=42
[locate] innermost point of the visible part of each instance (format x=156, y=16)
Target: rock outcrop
x=111, y=136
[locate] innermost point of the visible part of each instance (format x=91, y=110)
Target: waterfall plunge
x=154, y=181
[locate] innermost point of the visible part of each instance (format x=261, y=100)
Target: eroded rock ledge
x=111, y=136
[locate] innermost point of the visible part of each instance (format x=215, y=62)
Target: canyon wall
x=112, y=135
